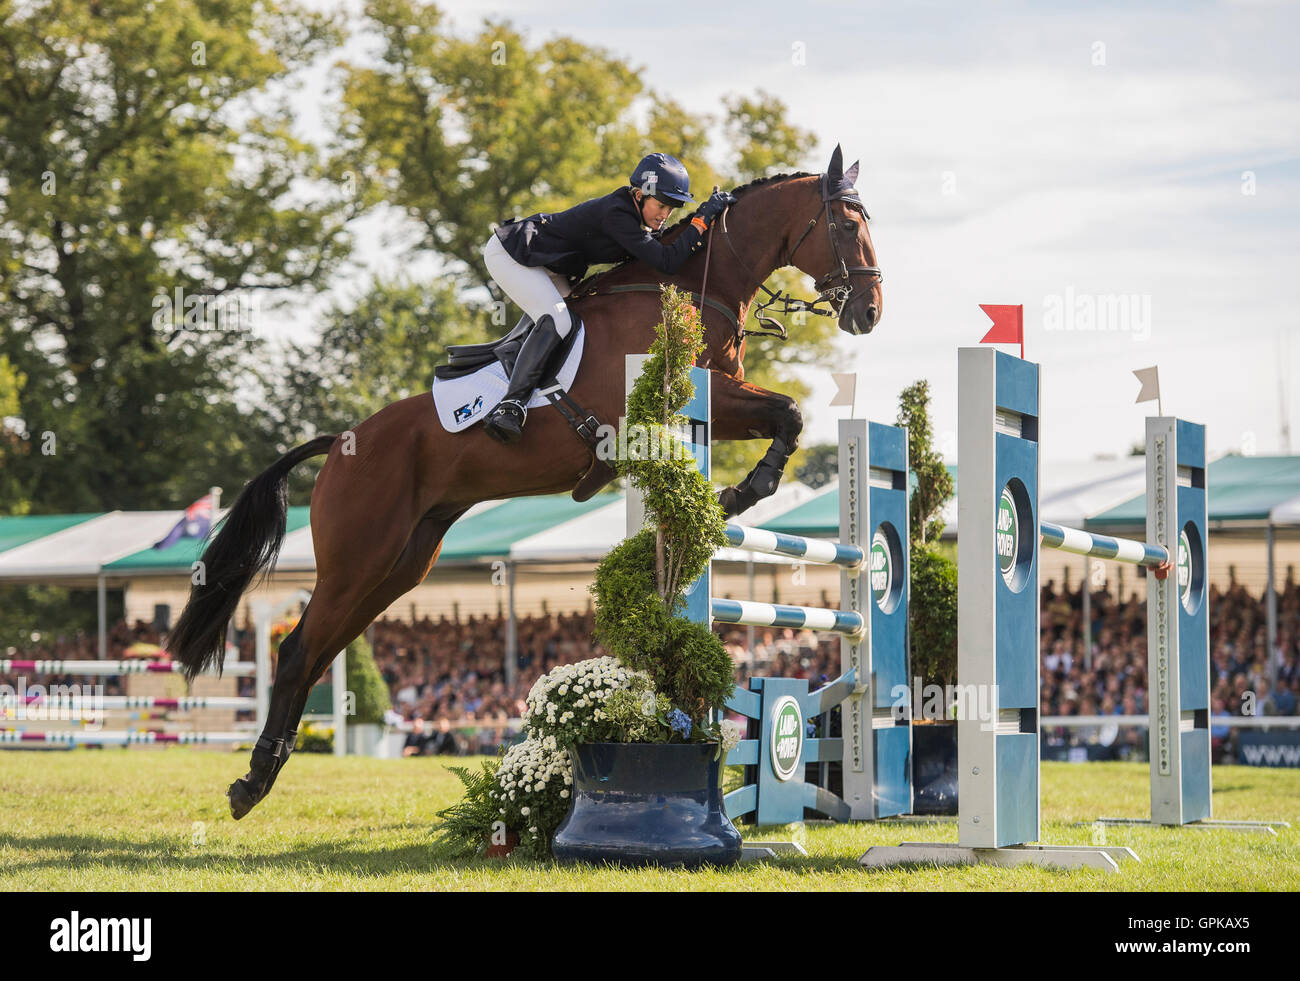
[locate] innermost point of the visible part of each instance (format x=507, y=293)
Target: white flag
x=846, y=385
x=1150, y=379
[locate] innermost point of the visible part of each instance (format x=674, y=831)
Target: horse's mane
x=739, y=192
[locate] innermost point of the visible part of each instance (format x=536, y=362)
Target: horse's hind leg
x=311, y=647
x=273, y=746
x=417, y=559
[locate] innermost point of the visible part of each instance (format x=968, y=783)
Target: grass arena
x=116, y=820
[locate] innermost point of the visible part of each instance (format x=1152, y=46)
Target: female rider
x=537, y=260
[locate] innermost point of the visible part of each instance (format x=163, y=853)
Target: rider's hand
x=716, y=204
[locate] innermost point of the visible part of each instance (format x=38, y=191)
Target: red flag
x=1008, y=325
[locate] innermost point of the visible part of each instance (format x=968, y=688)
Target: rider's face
x=654, y=211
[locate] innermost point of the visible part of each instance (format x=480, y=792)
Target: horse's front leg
x=744, y=411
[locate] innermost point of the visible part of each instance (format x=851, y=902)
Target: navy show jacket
x=601, y=230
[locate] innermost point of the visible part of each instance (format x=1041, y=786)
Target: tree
x=766, y=143
x=11, y=383
x=381, y=349
x=150, y=200
x=821, y=465
x=462, y=134
x=934, y=486
x=933, y=593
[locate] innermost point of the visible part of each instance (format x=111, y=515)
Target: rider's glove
x=710, y=209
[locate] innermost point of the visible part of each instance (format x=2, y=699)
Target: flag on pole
x=846, y=387
x=1150, y=379
x=195, y=524
x=1008, y=325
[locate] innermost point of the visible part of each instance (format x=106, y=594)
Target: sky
x=1138, y=159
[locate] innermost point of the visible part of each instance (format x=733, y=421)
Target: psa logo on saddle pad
x=470, y=409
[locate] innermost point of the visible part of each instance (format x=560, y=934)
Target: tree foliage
x=933, y=596
x=766, y=142
x=461, y=133
x=382, y=348
x=934, y=486
x=639, y=585
x=139, y=160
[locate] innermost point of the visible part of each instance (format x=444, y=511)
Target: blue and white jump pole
x=875, y=748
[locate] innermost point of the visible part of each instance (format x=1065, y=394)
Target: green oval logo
x=881, y=568
x=1007, y=539
x=787, y=737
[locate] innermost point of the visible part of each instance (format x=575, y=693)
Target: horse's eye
x=852, y=227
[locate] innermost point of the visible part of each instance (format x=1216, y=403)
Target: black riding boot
x=505, y=423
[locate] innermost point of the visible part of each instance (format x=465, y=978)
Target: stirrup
x=505, y=423
x=516, y=409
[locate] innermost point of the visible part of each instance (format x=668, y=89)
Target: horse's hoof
x=729, y=500
x=241, y=801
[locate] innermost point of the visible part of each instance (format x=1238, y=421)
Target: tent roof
x=589, y=536
x=81, y=548
x=1070, y=492
x=1242, y=489
x=1288, y=512
x=1103, y=494
x=20, y=530
x=183, y=554
x=488, y=530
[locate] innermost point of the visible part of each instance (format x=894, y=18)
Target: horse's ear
x=851, y=175
x=835, y=170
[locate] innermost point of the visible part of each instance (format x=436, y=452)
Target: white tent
x=590, y=536
x=83, y=549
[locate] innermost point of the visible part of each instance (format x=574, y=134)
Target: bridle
x=835, y=287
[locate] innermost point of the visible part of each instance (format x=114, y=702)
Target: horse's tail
x=248, y=542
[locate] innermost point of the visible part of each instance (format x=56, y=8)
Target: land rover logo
x=787, y=737
x=1008, y=536
x=882, y=568
x=1185, y=570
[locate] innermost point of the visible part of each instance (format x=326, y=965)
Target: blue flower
x=679, y=721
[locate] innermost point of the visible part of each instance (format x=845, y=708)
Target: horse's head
x=840, y=256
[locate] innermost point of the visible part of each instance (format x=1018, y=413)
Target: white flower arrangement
x=566, y=706
x=592, y=701
x=531, y=789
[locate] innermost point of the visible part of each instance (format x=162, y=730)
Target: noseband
x=835, y=287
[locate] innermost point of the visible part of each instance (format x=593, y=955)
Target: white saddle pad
x=463, y=401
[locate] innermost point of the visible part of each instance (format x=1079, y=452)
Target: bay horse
x=380, y=508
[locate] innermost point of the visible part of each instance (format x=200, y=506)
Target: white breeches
x=538, y=291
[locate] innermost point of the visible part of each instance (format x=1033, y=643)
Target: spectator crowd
x=446, y=677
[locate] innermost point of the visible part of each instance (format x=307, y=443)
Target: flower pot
x=647, y=804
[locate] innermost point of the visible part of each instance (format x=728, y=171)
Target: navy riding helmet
x=661, y=176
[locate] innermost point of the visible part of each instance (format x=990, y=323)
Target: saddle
x=465, y=359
